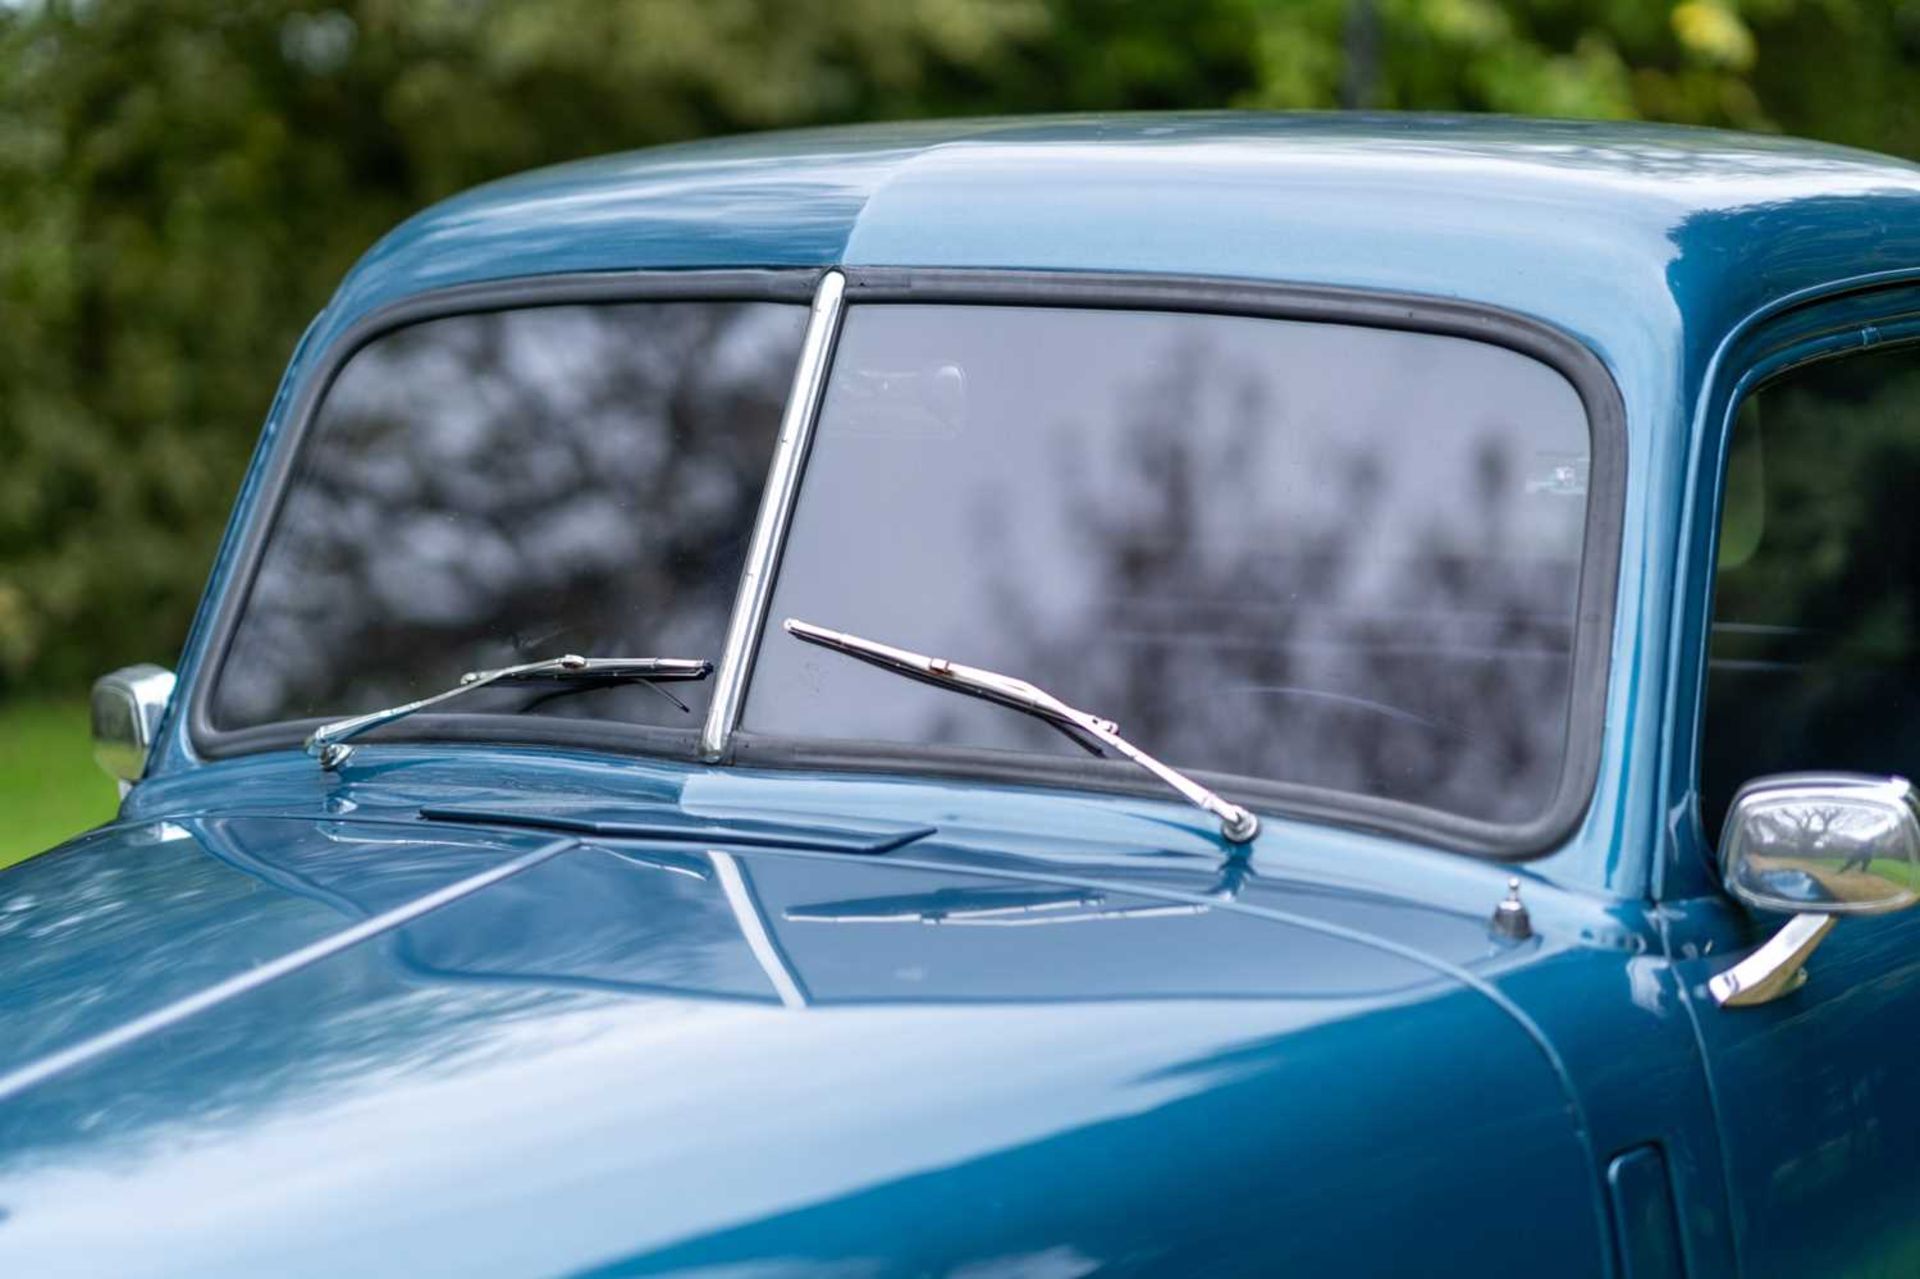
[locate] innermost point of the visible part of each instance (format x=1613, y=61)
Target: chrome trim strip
x=776, y=511
x=36, y=1072
x=753, y=927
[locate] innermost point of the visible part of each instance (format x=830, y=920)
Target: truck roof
x=1612, y=232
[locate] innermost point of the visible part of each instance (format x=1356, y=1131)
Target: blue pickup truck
x=1188, y=695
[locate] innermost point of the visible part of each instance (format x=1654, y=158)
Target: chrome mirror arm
x=328, y=743
x=1776, y=968
x=1237, y=824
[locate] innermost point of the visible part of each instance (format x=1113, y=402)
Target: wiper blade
x=328, y=743
x=1236, y=823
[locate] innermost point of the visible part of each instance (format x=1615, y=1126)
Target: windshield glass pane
x=1310, y=553
x=488, y=489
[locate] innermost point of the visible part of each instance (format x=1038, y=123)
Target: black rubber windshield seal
x=1599, y=574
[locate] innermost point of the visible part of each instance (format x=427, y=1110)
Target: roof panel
x=1603, y=229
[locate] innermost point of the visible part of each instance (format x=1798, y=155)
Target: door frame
x=1842, y=321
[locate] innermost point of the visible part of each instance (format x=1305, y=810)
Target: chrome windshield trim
x=776, y=512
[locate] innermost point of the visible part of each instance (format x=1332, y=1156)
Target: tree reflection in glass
x=1815, y=658
x=1342, y=557
x=487, y=489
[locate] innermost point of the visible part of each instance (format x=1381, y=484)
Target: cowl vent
x=759, y=829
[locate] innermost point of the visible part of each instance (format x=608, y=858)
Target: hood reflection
x=691, y=1021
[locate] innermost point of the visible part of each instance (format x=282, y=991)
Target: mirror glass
x=1840, y=844
x=126, y=709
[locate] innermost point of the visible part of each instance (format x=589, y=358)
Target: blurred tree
x=183, y=181
x=1845, y=70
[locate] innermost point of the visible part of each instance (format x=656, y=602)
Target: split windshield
x=1273, y=551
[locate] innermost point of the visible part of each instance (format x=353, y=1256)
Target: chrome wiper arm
x=328, y=743
x=1236, y=823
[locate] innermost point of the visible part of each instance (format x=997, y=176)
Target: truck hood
x=287, y=1044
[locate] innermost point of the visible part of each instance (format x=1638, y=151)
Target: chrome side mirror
x=1821, y=845
x=127, y=706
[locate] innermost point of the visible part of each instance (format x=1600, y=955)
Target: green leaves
x=182, y=182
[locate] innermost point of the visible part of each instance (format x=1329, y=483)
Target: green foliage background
x=183, y=181
x=49, y=787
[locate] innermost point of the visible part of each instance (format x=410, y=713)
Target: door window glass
x=1815, y=651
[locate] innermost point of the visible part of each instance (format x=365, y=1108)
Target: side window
x=1815, y=657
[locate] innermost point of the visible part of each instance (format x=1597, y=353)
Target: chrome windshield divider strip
x=776, y=512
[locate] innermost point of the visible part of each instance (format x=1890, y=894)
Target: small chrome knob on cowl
x=1511, y=922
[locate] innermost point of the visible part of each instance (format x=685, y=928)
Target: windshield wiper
x=1236, y=823
x=328, y=743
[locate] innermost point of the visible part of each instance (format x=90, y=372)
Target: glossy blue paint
x=795, y=1023
x=608, y=1063
x=1339, y=1038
